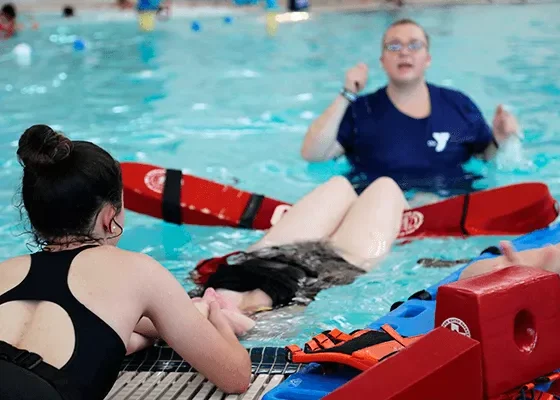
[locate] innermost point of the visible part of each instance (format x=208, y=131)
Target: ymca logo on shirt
x=440, y=141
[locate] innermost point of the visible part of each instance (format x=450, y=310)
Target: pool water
x=230, y=104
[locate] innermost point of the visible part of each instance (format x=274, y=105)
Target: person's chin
x=405, y=77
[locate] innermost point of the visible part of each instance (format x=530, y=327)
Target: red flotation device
x=179, y=198
x=185, y=199
x=509, y=210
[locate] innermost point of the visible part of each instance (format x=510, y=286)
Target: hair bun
x=40, y=146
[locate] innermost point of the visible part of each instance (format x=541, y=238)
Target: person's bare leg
x=314, y=217
x=547, y=258
x=372, y=224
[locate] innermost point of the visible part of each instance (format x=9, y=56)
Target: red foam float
x=515, y=315
x=439, y=366
x=510, y=210
x=202, y=201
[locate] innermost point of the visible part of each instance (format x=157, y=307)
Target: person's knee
x=386, y=181
x=390, y=189
x=342, y=185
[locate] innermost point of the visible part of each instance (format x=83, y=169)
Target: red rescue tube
x=509, y=210
x=181, y=198
x=193, y=200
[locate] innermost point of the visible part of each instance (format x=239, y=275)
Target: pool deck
x=184, y=6
x=186, y=386
x=160, y=373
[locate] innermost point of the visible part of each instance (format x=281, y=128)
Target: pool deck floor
x=160, y=373
x=185, y=386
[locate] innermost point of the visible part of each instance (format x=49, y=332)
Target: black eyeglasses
x=394, y=47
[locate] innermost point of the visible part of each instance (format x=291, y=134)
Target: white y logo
x=441, y=139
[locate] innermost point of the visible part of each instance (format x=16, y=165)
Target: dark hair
x=65, y=184
x=68, y=11
x=9, y=10
x=407, y=21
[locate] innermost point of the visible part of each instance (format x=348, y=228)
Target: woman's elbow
x=305, y=154
x=309, y=155
x=245, y=373
x=238, y=387
x=238, y=381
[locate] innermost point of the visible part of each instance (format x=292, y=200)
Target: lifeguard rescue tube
x=185, y=199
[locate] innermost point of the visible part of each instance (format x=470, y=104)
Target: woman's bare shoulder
x=14, y=263
x=138, y=261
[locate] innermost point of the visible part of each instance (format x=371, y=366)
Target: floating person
x=313, y=248
x=8, y=21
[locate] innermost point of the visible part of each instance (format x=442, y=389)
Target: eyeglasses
x=394, y=47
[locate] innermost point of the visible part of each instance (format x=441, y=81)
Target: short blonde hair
x=406, y=21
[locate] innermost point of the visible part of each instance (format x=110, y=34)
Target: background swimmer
x=374, y=131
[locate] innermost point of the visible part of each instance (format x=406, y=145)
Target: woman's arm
x=138, y=342
x=209, y=345
x=146, y=328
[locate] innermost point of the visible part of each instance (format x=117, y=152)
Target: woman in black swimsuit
x=70, y=312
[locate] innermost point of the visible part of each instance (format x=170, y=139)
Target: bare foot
x=550, y=259
x=510, y=255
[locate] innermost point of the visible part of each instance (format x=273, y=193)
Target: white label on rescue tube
x=155, y=179
x=279, y=213
x=411, y=222
x=457, y=325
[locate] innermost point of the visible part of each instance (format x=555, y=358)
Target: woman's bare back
x=100, y=278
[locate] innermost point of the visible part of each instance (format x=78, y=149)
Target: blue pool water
x=229, y=103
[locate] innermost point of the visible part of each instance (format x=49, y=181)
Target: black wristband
x=348, y=95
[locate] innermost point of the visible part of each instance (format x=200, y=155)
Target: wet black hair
x=9, y=10
x=68, y=11
x=65, y=184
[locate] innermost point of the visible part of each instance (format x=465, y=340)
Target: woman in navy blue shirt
x=415, y=132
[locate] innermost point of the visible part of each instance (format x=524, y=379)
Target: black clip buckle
x=27, y=359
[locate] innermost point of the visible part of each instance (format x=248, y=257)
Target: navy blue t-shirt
x=423, y=154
